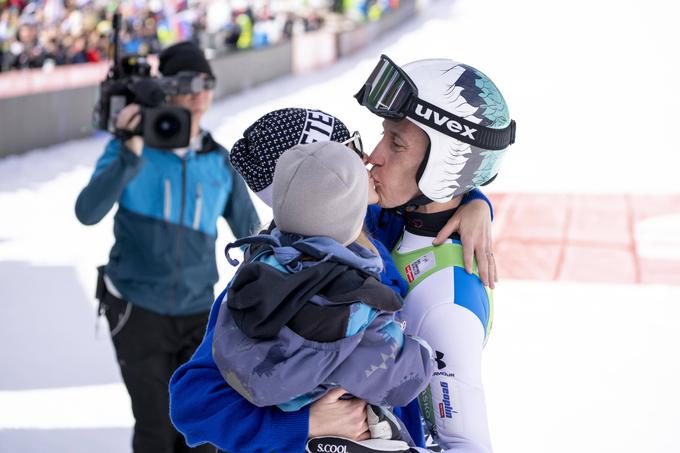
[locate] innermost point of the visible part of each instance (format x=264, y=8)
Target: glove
x=382, y=423
x=332, y=444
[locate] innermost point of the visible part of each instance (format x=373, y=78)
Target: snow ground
x=570, y=367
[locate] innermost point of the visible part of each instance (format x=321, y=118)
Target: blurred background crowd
x=47, y=33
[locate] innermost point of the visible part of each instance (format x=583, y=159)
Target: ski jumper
x=452, y=311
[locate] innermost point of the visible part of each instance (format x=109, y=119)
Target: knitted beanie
x=183, y=56
x=255, y=155
x=320, y=189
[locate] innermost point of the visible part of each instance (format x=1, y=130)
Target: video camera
x=129, y=81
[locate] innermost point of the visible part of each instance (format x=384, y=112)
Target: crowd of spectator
x=47, y=33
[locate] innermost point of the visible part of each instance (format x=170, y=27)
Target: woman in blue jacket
x=202, y=405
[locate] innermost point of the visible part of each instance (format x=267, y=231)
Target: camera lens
x=167, y=125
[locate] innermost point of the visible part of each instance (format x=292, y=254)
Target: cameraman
x=157, y=289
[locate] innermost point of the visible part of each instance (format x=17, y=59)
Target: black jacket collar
x=208, y=143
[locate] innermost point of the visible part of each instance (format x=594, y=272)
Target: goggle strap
x=460, y=128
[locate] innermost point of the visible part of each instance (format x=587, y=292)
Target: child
x=306, y=311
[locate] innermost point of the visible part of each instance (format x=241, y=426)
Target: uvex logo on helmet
x=453, y=125
x=330, y=448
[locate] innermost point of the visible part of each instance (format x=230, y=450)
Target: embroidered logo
x=440, y=360
x=420, y=266
x=409, y=274
x=445, y=408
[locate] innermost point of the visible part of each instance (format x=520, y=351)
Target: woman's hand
x=331, y=416
x=473, y=222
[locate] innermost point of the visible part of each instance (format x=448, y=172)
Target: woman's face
x=354, y=143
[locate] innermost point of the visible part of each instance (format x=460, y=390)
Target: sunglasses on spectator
x=355, y=144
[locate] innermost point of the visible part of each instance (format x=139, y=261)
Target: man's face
x=395, y=161
x=196, y=103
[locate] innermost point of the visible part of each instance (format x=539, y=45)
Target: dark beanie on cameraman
x=183, y=56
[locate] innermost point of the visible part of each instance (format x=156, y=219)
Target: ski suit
x=452, y=311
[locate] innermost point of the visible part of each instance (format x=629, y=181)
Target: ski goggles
x=390, y=93
x=355, y=144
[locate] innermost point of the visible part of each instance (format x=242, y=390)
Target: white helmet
x=461, y=111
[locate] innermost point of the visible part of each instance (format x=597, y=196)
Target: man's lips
x=375, y=183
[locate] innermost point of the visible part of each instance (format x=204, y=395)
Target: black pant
x=149, y=348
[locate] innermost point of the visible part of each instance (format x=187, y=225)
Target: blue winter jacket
x=163, y=258
x=205, y=409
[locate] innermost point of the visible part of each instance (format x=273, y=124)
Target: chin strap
x=420, y=199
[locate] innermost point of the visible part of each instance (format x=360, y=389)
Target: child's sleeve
x=387, y=368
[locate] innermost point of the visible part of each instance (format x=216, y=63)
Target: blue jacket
x=205, y=409
x=163, y=258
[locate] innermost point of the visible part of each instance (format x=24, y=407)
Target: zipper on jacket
x=184, y=192
x=199, y=206
x=167, y=207
x=181, y=223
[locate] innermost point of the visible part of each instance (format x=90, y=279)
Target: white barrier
x=39, y=108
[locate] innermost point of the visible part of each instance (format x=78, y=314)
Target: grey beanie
x=320, y=189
